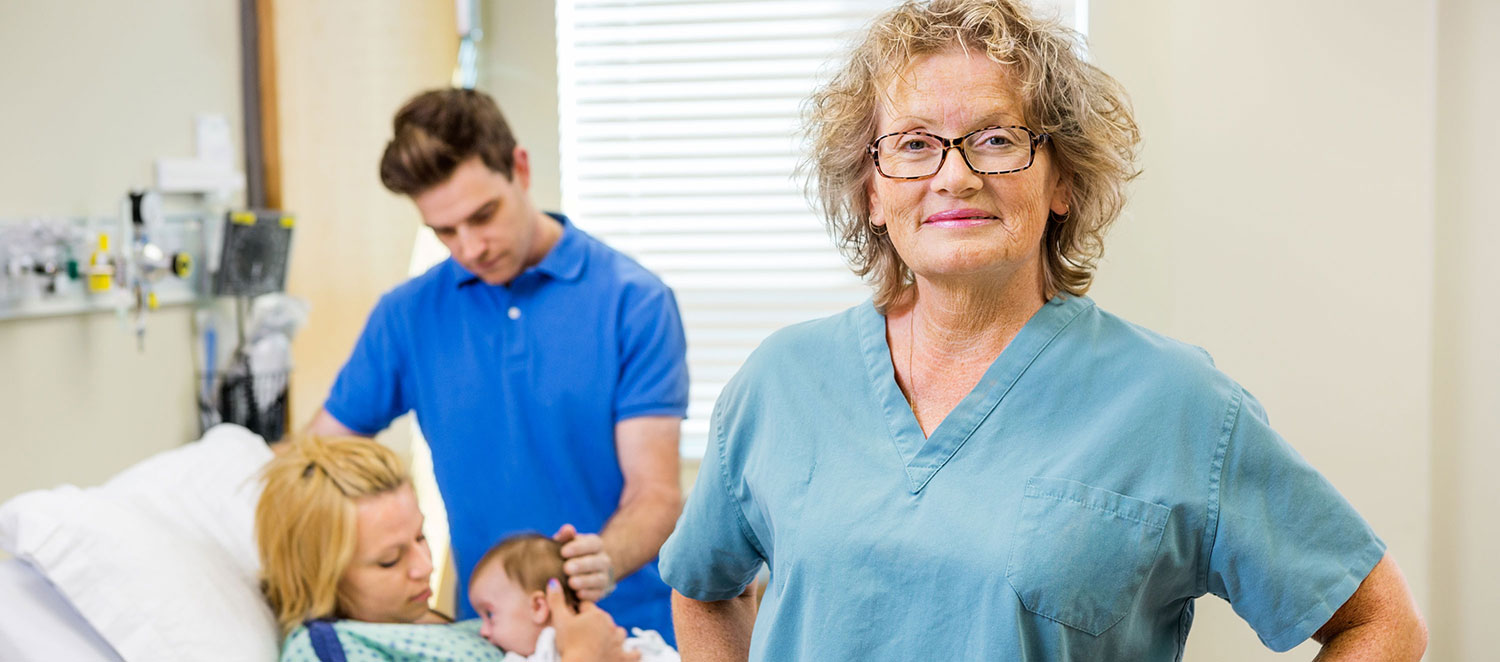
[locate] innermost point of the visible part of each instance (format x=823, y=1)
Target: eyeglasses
x=993, y=150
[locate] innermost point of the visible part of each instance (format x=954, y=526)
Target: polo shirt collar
x=563, y=262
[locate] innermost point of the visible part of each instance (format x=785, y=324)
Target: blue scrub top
x=517, y=389
x=1098, y=479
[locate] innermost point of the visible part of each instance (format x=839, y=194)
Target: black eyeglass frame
x=957, y=143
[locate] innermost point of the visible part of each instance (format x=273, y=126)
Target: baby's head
x=508, y=589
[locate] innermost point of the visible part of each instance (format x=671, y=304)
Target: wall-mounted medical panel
x=65, y=266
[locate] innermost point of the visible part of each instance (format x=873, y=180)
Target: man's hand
x=590, y=570
x=588, y=635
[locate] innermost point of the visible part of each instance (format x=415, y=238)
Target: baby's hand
x=588, y=635
x=591, y=572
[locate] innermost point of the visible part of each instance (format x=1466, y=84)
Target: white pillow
x=161, y=559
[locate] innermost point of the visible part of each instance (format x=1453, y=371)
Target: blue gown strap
x=325, y=642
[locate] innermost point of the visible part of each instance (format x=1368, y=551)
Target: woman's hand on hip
x=587, y=635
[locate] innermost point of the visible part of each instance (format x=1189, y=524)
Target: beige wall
x=518, y=67
x=1466, y=343
x=89, y=106
x=1288, y=222
x=93, y=92
x=343, y=69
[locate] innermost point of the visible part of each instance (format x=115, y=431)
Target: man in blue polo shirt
x=547, y=371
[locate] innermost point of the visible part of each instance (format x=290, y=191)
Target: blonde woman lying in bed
x=346, y=568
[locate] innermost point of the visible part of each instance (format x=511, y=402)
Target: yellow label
x=242, y=218
x=288, y=221
x=151, y=301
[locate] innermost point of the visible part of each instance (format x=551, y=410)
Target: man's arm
x=1379, y=622
x=649, y=505
x=714, y=631
x=322, y=425
x=325, y=425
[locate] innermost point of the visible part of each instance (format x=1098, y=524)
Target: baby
x=509, y=592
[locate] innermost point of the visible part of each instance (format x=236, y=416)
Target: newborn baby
x=508, y=589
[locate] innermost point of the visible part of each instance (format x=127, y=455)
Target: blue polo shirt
x=518, y=388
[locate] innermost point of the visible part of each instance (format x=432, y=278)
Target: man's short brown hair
x=439, y=129
x=529, y=559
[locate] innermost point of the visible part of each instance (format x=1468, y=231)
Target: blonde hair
x=306, y=524
x=1085, y=111
x=529, y=559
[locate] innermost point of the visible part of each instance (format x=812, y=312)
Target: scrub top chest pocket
x=1081, y=554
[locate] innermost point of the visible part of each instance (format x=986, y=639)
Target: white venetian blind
x=679, y=126
x=680, y=133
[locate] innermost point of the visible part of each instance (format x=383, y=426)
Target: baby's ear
x=541, y=613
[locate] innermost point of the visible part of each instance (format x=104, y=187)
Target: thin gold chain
x=911, y=368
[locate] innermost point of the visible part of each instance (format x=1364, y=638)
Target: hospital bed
x=158, y=564
x=38, y=623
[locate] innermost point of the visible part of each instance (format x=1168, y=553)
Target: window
x=680, y=132
x=679, y=126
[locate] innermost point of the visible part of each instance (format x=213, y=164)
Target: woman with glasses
x=979, y=463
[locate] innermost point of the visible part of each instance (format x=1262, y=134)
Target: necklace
x=911, y=368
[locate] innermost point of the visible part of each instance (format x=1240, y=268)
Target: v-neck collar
x=923, y=456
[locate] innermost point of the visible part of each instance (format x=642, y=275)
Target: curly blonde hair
x=1086, y=112
x=306, y=523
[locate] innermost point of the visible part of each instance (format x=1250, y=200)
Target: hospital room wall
x=1313, y=213
x=94, y=91
x=84, y=119
x=342, y=69
x=518, y=67
x=1466, y=343
x=1272, y=230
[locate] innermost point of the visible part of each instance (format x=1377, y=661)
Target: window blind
x=679, y=123
x=679, y=127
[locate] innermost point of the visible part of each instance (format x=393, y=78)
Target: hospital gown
x=381, y=642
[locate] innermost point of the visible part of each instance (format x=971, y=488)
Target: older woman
x=346, y=567
x=980, y=463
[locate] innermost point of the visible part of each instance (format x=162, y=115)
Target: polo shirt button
x=514, y=313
